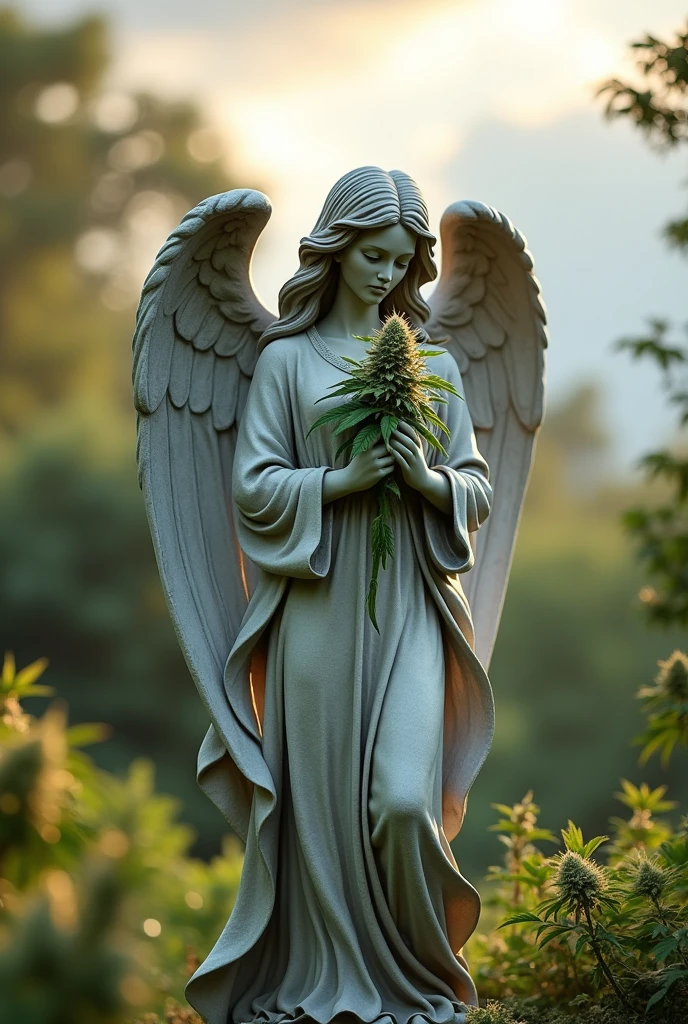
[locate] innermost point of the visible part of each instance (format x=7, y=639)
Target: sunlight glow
x=532, y=20
x=403, y=91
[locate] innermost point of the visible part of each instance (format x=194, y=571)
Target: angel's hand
x=365, y=469
x=407, y=449
x=405, y=446
x=368, y=468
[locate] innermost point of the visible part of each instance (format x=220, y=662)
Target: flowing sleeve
x=280, y=520
x=447, y=535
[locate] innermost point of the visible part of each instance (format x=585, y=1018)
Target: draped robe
x=344, y=755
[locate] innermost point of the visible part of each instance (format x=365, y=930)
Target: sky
x=477, y=99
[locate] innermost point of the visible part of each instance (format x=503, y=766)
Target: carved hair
x=365, y=198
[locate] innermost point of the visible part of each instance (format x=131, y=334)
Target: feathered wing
x=194, y=353
x=488, y=312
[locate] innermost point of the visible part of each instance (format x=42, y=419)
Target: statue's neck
x=349, y=316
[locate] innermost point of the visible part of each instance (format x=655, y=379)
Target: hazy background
x=118, y=117
x=481, y=99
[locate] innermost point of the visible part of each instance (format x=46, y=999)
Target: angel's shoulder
x=278, y=355
x=442, y=362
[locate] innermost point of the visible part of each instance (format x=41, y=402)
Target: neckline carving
x=326, y=352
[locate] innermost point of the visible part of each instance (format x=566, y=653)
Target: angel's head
x=373, y=222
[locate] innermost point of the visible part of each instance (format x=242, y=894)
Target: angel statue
x=342, y=756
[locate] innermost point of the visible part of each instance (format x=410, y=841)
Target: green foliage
x=491, y=1013
x=658, y=106
x=103, y=915
x=661, y=532
x=577, y=933
x=643, y=830
x=666, y=705
x=389, y=385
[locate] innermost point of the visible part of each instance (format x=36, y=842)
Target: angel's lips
x=378, y=289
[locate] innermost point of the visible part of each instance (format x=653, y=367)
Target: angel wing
x=488, y=312
x=194, y=353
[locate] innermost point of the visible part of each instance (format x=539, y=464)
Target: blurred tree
x=657, y=102
x=658, y=105
x=91, y=181
x=79, y=570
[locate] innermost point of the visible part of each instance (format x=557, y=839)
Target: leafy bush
x=580, y=939
x=102, y=913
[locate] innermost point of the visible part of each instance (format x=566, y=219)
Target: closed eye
x=371, y=257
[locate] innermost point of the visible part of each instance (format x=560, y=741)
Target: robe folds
x=344, y=757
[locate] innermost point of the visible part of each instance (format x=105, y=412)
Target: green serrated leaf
x=343, y=448
x=387, y=425
x=430, y=438
x=357, y=416
x=365, y=439
x=553, y=935
x=521, y=919
x=328, y=417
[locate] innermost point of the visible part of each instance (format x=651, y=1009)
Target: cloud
x=489, y=97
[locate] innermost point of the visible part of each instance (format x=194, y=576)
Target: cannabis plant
x=391, y=384
x=666, y=705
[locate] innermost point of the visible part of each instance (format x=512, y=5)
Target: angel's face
x=376, y=261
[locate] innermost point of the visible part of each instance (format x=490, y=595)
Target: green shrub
x=103, y=915
x=574, y=932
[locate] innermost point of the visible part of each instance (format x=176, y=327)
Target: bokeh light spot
x=97, y=250
x=134, y=152
x=57, y=103
x=134, y=990
x=63, y=908
x=115, y=112
x=50, y=833
x=152, y=928
x=114, y=843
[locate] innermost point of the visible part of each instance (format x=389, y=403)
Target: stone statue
x=342, y=756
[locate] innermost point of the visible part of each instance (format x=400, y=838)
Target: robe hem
x=352, y=1017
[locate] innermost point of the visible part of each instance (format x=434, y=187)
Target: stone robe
x=347, y=754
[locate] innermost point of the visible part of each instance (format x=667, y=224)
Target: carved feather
x=197, y=327
x=488, y=312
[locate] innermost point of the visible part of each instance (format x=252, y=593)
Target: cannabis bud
x=580, y=881
x=389, y=385
x=672, y=678
x=649, y=881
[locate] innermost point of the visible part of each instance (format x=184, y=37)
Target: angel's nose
x=384, y=276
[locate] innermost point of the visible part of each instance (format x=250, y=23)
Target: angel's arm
x=438, y=491
x=464, y=496
x=281, y=523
